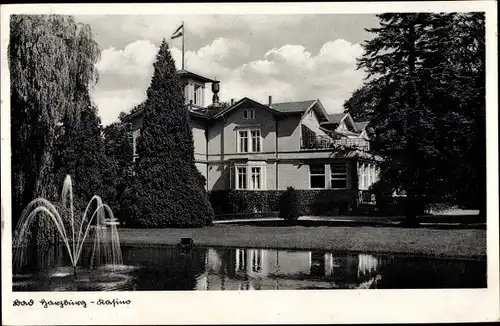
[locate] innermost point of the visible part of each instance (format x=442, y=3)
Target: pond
x=150, y=268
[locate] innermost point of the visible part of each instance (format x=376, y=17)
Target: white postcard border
x=336, y=306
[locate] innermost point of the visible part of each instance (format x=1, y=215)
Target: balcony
x=326, y=142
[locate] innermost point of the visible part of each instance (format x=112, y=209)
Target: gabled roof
x=336, y=117
x=333, y=121
x=185, y=73
x=239, y=103
x=293, y=107
x=136, y=111
x=361, y=125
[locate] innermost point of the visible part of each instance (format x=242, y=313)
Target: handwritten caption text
x=67, y=303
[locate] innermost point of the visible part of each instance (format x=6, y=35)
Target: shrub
x=289, y=205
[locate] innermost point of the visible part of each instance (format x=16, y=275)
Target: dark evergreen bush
x=289, y=205
x=79, y=152
x=168, y=189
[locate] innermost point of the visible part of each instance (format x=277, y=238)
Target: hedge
x=311, y=202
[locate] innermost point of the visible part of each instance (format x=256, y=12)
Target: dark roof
x=208, y=112
x=283, y=108
x=185, y=73
x=361, y=125
x=199, y=112
x=336, y=117
x=292, y=107
x=135, y=111
x=240, y=102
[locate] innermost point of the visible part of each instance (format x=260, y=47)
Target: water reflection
x=199, y=268
x=260, y=269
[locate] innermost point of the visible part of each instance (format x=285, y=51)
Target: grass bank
x=460, y=243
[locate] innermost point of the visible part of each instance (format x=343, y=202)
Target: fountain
x=106, y=245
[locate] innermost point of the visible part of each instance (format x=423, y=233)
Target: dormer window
x=198, y=95
x=249, y=114
x=194, y=94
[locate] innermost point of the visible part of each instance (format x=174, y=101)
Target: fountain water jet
x=105, y=250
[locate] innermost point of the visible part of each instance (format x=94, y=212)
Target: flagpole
x=183, y=32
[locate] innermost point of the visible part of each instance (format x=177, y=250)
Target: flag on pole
x=178, y=32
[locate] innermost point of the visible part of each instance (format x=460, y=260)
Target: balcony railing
x=325, y=142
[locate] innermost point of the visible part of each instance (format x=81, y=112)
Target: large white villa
x=270, y=146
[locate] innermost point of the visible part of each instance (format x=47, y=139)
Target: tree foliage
x=425, y=90
x=118, y=151
x=80, y=153
x=167, y=190
x=52, y=64
x=362, y=102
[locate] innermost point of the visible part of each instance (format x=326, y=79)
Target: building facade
x=254, y=146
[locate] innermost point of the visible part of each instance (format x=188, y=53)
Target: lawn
x=459, y=243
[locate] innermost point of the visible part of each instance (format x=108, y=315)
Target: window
x=317, y=175
x=375, y=173
x=241, y=178
x=195, y=94
x=367, y=175
x=243, y=141
x=255, y=140
x=198, y=95
x=256, y=178
x=249, y=114
x=361, y=177
x=249, y=140
x=338, y=173
x=370, y=175
x=250, y=176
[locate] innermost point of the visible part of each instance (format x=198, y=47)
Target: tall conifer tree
x=168, y=190
x=427, y=71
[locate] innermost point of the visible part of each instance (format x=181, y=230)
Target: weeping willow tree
x=52, y=65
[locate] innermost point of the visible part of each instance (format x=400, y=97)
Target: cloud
x=292, y=73
x=339, y=51
x=289, y=72
x=124, y=76
x=111, y=102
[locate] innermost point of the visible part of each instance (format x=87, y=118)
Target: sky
x=290, y=57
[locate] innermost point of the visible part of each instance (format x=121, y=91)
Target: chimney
x=215, y=91
x=270, y=100
x=232, y=101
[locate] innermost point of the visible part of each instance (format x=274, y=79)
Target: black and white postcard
x=249, y=163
